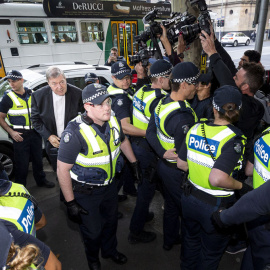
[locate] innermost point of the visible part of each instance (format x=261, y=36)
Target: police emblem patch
x=120, y=102
x=185, y=129
x=67, y=137
x=237, y=148
x=121, y=64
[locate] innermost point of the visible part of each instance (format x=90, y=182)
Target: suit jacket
x=42, y=111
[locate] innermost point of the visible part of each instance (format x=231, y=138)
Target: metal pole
x=219, y=36
x=261, y=25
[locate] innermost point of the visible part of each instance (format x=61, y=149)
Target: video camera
x=142, y=56
x=177, y=24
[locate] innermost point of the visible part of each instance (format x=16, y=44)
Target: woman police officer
x=211, y=153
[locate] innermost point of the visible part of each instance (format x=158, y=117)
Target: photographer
x=114, y=57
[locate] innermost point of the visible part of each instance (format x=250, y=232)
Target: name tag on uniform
x=19, y=106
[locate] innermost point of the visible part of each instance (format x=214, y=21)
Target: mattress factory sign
x=102, y=9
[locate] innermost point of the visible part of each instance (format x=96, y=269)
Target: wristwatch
x=181, y=55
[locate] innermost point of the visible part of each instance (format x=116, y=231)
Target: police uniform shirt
x=22, y=239
x=71, y=143
x=121, y=105
x=7, y=102
x=177, y=126
x=202, y=108
x=228, y=157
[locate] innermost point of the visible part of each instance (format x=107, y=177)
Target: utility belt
x=21, y=127
x=225, y=202
x=141, y=142
x=169, y=164
x=85, y=188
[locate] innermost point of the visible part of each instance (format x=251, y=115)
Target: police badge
x=67, y=137
x=120, y=102
x=237, y=148
x=185, y=129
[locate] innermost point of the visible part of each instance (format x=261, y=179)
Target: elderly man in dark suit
x=53, y=106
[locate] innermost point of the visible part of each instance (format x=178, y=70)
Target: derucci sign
x=102, y=9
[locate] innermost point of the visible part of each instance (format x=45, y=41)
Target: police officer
x=22, y=217
x=90, y=78
x=167, y=129
x=122, y=93
x=144, y=103
x=27, y=143
x=87, y=161
x=257, y=255
x=211, y=153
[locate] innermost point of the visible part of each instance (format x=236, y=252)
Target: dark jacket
x=42, y=112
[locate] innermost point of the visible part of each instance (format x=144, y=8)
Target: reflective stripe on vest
x=18, y=210
x=98, y=155
x=20, y=108
x=261, y=171
x=199, y=159
x=141, y=108
x=165, y=139
x=116, y=91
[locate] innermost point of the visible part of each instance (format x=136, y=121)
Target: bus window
x=92, y=31
x=63, y=32
x=31, y=32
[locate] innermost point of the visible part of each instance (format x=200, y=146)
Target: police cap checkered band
x=160, y=68
x=14, y=75
x=90, y=77
x=185, y=72
x=95, y=93
x=227, y=94
x=120, y=70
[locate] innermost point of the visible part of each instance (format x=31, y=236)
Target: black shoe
x=150, y=216
x=177, y=242
x=132, y=194
x=122, y=198
x=240, y=246
x=94, y=266
x=119, y=215
x=47, y=184
x=118, y=258
x=142, y=237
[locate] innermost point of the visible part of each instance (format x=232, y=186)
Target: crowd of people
x=194, y=137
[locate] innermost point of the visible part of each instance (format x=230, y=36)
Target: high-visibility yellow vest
x=97, y=166
x=162, y=111
x=20, y=112
x=18, y=209
x=200, y=161
x=142, y=101
x=261, y=171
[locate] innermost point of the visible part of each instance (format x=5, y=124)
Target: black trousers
x=99, y=227
x=30, y=147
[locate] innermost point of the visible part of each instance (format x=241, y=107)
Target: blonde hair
x=22, y=258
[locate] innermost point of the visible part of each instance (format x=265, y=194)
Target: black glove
x=74, y=211
x=245, y=189
x=137, y=171
x=217, y=221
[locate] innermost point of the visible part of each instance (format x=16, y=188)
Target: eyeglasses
x=193, y=83
x=107, y=102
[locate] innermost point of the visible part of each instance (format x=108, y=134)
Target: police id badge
x=237, y=148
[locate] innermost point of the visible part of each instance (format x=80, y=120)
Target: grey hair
x=54, y=72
